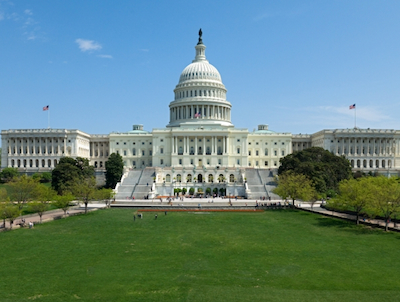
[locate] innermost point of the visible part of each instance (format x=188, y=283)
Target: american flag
x=46, y=108
x=197, y=115
x=352, y=106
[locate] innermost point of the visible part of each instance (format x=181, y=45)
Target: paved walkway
x=50, y=215
x=373, y=222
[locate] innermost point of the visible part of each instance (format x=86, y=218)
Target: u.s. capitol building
x=200, y=144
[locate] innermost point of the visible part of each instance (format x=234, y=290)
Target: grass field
x=267, y=256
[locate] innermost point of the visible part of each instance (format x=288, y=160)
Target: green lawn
x=267, y=256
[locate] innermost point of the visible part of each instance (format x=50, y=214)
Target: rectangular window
x=283, y=153
x=191, y=161
x=256, y=152
x=161, y=150
x=275, y=153
x=249, y=153
x=143, y=152
x=133, y=163
x=266, y=152
x=150, y=152
x=219, y=162
x=238, y=150
x=266, y=163
x=161, y=161
x=124, y=152
x=238, y=161
x=180, y=161
x=256, y=162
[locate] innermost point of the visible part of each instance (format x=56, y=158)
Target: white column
x=204, y=145
x=195, y=145
x=223, y=144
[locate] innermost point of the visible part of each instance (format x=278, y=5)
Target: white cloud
x=28, y=12
x=1, y=16
x=105, y=56
x=88, y=45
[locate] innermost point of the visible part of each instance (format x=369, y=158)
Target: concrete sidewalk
x=50, y=215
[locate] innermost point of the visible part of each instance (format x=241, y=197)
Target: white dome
x=200, y=96
x=200, y=70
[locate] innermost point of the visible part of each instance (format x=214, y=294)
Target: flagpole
x=355, y=117
x=48, y=118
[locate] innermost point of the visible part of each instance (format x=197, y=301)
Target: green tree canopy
x=63, y=201
x=295, y=186
x=23, y=189
x=85, y=190
x=114, y=170
x=68, y=172
x=324, y=169
x=354, y=195
x=8, y=174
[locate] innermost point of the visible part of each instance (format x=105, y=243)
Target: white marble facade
x=199, y=135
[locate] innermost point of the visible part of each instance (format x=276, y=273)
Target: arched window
x=371, y=163
x=364, y=163
x=168, y=178
x=210, y=178
x=178, y=178
x=358, y=163
x=49, y=163
x=221, y=178
x=37, y=163
x=383, y=163
x=30, y=163
x=352, y=163
x=377, y=163
x=231, y=178
x=43, y=163
x=95, y=164
x=189, y=178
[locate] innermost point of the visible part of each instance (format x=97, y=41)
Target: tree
x=42, y=177
x=184, y=190
x=323, y=168
x=43, y=195
x=191, y=191
x=114, y=170
x=295, y=186
x=10, y=211
x=84, y=190
x=354, y=195
x=385, y=197
x=68, y=172
x=23, y=189
x=8, y=174
x=104, y=195
x=63, y=202
x=38, y=207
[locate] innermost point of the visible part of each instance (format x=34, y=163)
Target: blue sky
x=103, y=66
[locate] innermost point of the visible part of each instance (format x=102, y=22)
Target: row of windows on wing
x=359, y=151
x=257, y=164
x=199, y=75
x=200, y=93
x=43, y=140
x=378, y=164
x=364, y=141
x=134, y=143
x=275, y=143
x=34, y=163
x=125, y=152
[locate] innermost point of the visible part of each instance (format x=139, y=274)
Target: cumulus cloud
x=28, y=12
x=88, y=45
x=105, y=56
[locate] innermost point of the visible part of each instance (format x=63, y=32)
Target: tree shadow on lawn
x=349, y=226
